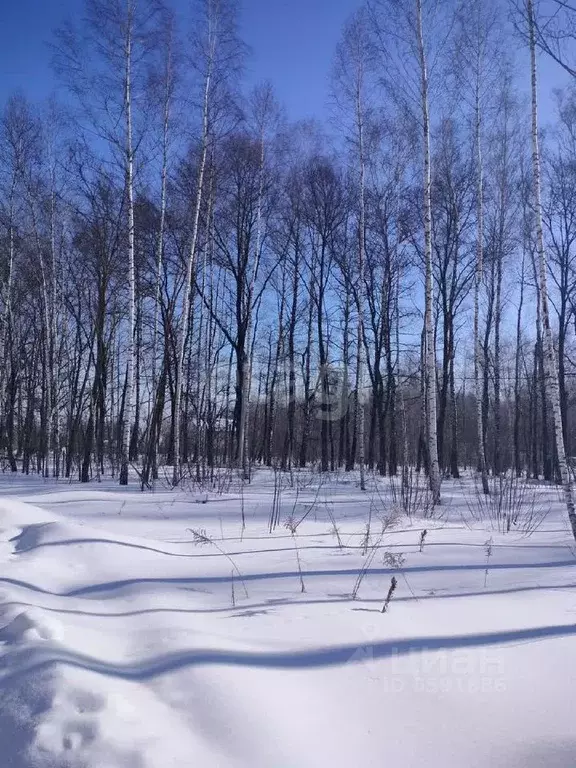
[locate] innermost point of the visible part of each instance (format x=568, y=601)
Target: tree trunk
x=549, y=354
x=480, y=425
x=430, y=376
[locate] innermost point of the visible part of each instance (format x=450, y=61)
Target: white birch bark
x=478, y=283
x=249, y=345
x=7, y=314
x=53, y=410
x=430, y=373
x=176, y=476
x=129, y=160
x=361, y=263
x=160, y=246
x=47, y=332
x=550, y=365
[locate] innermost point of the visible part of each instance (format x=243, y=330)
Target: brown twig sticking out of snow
x=423, y=538
x=393, y=584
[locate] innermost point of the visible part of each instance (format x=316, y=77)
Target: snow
x=149, y=630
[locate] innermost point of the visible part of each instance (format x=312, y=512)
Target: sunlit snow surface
x=147, y=630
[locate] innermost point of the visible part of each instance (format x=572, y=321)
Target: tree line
x=191, y=281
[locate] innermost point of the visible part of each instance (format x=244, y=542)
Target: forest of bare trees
x=189, y=282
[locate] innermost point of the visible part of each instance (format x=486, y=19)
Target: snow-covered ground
x=150, y=631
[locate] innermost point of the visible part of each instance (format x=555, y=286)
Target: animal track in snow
x=30, y=537
x=22, y=629
x=78, y=735
x=87, y=702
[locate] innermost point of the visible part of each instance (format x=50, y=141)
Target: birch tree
x=185, y=244
x=354, y=67
x=17, y=142
x=264, y=115
x=104, y=63
x=550, y=365
x=412, y=37
x=476, y=57
x=218, y=56
x=430, y=347
x=165, y=85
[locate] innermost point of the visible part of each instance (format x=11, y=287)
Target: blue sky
x=292, y=41
x=293, y=44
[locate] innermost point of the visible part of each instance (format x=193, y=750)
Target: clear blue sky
x=293, y=44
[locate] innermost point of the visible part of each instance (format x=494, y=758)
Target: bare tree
x=104, y=65
x=550, y=366
x=217, y=49
x=353, y=73
x=412, y=37
x=477, y=56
